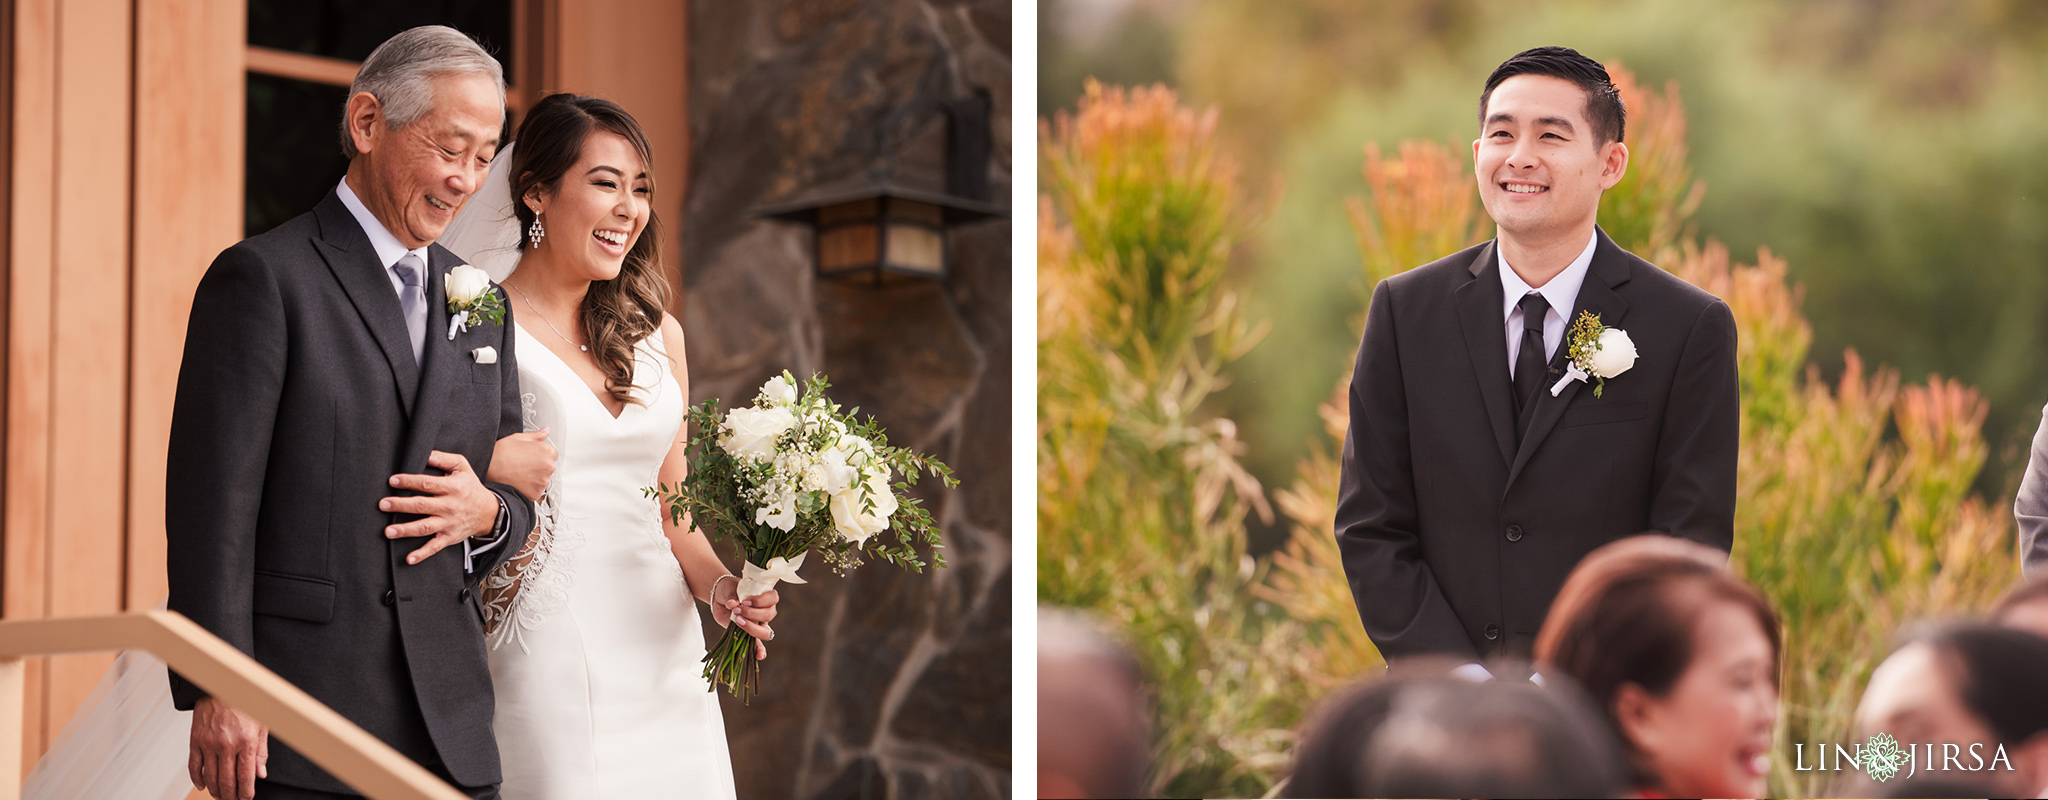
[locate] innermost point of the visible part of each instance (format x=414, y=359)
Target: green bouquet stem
x=731, y=662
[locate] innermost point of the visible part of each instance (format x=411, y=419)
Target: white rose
x=779, y=390
x=855, y=447
x=838, y=473
x=466, y=284
x=885, y=497
x=852, y=523
x=1615, y=355
x=752, y=431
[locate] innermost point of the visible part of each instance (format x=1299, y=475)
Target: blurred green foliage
x=1141, y=501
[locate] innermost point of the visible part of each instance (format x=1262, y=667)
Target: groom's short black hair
x=1603, y=101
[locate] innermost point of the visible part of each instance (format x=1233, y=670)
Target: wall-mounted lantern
x=893, y=232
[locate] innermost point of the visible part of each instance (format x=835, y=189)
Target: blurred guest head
x=1330, y=761
x=1454, y=737
x=1500, y=738
x=1094, y=737
x=1680, y=654
x=2024, y=608
x=1965, y=685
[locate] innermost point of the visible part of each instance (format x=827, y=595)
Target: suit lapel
x=1485, y=328
x=1608, y=270
x=443, y=367
x=347, y=251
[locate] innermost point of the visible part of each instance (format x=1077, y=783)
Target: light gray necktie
x=412, y=301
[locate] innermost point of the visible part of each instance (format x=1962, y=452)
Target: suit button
x=1492, y=631
x=1514, y=533
x=463, y=595
x=390, y=597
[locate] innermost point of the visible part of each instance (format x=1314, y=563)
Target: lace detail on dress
x=534, y=583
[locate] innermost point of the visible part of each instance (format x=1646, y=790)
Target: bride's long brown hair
x=619, y=312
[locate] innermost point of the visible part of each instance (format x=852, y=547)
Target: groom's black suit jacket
x=1455, y=537
x=298, y=399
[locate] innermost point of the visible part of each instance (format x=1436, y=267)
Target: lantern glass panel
x=850, y=247
x=916, y=248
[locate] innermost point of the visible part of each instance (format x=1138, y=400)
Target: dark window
x=350, y=29
x=293, y=154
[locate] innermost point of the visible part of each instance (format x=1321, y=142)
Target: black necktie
x=1529, y=363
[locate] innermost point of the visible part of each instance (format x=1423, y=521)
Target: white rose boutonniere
x=1597, y=352
x=470, y=299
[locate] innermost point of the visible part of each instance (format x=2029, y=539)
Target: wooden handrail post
x=12, y=699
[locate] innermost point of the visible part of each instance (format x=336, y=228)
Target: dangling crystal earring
x=535, y=233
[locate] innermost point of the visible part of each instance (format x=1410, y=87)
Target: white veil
x=128, y=742
x=486, y=234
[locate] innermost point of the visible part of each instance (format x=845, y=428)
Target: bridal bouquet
x=789, y=476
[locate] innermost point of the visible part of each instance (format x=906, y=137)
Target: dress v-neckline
x=580, y=383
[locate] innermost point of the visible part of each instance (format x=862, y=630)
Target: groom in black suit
x=1472, y=481
x=331, y=429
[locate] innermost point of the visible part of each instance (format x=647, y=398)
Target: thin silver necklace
x=544, y=319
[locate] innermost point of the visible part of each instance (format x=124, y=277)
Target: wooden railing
x=346, y=751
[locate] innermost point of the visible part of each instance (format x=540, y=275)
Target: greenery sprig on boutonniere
x=471, y=300
x=1597, y=352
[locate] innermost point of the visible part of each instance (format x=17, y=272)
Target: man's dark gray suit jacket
x=1456, y=536
x=298, y=399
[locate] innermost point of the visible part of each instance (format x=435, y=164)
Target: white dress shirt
x=1562, y=292
x=389, y=251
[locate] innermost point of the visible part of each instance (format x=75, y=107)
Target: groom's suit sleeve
x=1398, y=599
x=221, y=425
x=1692, y=482
x=511, y=420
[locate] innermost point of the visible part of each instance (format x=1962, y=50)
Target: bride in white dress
x=596, y=646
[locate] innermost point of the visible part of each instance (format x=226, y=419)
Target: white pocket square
x=485, y=355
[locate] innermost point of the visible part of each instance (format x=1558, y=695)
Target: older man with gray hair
x=333, y=423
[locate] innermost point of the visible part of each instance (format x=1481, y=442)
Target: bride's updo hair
x=619, y=312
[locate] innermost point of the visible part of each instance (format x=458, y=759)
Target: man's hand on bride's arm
x=753, y=614
x=230, y=750
x=523, y=461
x=455, y=506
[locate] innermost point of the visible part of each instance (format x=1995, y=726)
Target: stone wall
x=882, y=684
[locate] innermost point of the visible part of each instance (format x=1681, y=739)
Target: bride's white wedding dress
x=596, y=644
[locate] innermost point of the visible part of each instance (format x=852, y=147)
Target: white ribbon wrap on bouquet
x=755, y=579
x=1571, y=373
x=457, y=323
